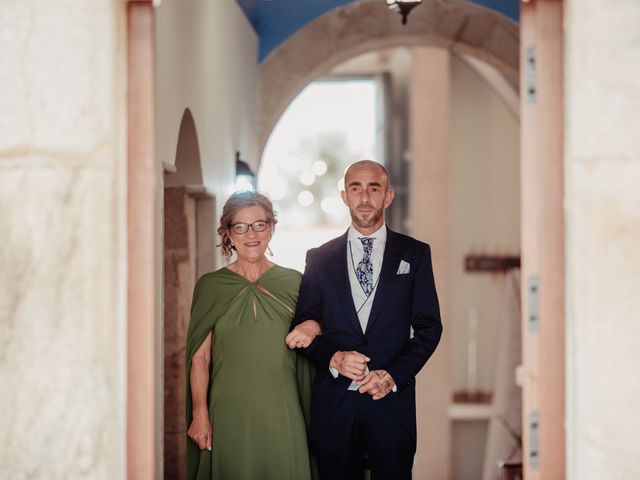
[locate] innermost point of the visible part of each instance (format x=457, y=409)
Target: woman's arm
x=200, y=428
x=303, y=334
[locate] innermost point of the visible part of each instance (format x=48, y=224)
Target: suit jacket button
x=367, y=341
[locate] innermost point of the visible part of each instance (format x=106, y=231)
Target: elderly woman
x=246, y=390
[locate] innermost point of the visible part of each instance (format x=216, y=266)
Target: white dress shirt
x=362, y=302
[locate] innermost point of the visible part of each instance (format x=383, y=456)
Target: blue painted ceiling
x=275, y=20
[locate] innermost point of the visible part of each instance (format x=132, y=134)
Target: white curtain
x=507, y=396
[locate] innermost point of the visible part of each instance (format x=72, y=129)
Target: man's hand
x=200, y=430
x=350, y=364
x=303, y=334
x=377, y=384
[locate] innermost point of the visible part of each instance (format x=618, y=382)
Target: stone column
x=179, y=280
x=429, y=187
x=602, y=165
x=63, y=240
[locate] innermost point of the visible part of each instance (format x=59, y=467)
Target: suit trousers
x=362, y=428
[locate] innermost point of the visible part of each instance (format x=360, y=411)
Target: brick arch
x=361, y=27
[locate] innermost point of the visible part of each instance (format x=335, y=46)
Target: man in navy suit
x=372, y=292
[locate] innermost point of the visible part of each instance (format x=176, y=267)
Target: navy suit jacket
x=402, y=302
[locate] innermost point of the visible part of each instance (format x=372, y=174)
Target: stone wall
x=179, y=280
x=63, y=248
x=602, y=170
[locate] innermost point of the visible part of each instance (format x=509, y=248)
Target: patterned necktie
x=364, y=272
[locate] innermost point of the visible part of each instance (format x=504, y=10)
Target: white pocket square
x=404, y=268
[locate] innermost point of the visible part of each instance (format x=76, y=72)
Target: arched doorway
x=189, y=219
x=466, y=38
x=452, y=105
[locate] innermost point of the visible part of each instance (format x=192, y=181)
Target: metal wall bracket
x=530, y=74
x=533, y=303
x=534, y=425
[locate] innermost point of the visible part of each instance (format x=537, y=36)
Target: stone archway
x=459, y=27
x=357, y=28
x=189, y=215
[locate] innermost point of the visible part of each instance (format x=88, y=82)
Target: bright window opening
x=331, y=124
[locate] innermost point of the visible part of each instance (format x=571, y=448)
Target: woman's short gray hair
x=233, y=205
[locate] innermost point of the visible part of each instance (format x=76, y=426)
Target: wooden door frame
x=143, y=286
x=542, y=220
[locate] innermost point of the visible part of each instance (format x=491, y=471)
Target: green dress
x=260, y=391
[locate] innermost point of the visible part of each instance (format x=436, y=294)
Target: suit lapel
x=390, y=262
x=340, y=276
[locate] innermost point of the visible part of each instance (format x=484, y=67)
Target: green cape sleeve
x=213, y=295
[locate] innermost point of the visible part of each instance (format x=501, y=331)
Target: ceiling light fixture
x=403, y=7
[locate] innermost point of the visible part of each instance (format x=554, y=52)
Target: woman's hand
x=200, y=430
x=302, y=335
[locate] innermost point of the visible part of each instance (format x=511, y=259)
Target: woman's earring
x=269, y=251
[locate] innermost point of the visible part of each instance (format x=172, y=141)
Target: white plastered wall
x=207, y=61
x=484, y=213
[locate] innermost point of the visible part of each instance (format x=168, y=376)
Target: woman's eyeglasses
x=257, y=226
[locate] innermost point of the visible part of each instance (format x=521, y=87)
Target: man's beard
x=366, y=223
